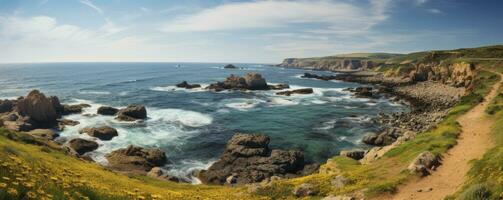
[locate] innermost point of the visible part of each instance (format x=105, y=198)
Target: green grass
x=488, y=171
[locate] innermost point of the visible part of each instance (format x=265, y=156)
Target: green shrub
x=476, y=192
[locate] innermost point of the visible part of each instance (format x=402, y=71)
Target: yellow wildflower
x=31, y=195
x=12, y=192
x=6, y=178
x=3, y=185
x=54, y=178
x=15, y=183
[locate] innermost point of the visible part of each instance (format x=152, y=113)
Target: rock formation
x=248, y=159
x=107, y=110
x=38, y=108
x=251, y=81
x=102, y=133
x=230, y=66
x=297, y=91
x=82, y=146
x=132, y=113
x=136, y=159
x=424, y=163
x=186, y=85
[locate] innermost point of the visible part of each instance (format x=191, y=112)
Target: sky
x=262, y=31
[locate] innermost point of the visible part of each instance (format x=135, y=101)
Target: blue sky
x=238, y=31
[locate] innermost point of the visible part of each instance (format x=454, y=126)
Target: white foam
x=185, y=117
x=173, y=88
x=282, y=102
x=94, y=92
x=242, y=104
x=185, y=168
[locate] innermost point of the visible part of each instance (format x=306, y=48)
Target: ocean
x=193, y=126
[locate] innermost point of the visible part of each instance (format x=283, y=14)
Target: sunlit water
x=193, y=126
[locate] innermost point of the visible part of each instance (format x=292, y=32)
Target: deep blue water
x=193, y=126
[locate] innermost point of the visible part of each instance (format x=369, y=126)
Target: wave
x=94, y=92
x=184, y=117
x=173, y=88
x=242, y=104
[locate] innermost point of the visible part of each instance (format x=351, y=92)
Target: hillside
x=39, y=168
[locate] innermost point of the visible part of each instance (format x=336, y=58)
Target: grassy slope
x=38, y=171
x=486, y=175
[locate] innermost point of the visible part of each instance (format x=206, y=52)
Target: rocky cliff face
x=458, y=74
x=333, y=64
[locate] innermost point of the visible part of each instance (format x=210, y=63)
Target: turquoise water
x=193, y=126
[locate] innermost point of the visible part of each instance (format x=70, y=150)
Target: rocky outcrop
x=82, y=146
x=103, y=133
x=6, y=106
x=280, y=86
x=320, y=77
x=384, y=138
x=186, y=85
x=355, y=154
x=38, y=108
x=424, y=163
x=456, y=74
x=74, y=109
x=329, y=63
x=230, y=66
x=62, y=123
x=248, y=159
x=251, y=81
x=132, y=113
x=364, y=92
x=297, y=91
x=107, y=110
x=136, y=159
x=160, y=174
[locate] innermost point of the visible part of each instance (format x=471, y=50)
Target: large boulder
x=74, y=109
x=384, y=138
x=355, y=154
x=159, y=173
x=82, y=146
x=424, y=163
x=255, y=81
x=102, y=133
x=248, y=159
x=38, y=107
x=132, y=113
x=136, y=159
x=6, y=106
x=107, y=110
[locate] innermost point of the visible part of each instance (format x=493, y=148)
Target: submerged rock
x=107, y=110
x=248, y=159
x=132, y=113
x=297, y=91
x=230, y=66
x=102, y=133
x=136, y=159
x=186, y=85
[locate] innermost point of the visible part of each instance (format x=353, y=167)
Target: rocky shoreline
x=430, y=100
x=247, y=158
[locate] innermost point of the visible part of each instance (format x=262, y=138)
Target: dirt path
x=473, y=142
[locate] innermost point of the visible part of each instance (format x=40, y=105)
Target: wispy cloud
x=91, y=5
x=434, y=11
x=421, y=2
x=337, y=14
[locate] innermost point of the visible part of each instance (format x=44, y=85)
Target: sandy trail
x=473, y=142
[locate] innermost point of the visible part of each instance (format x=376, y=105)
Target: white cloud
x=421, y=2
x=337, y=15
x=91, y=5
x=434, y=11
